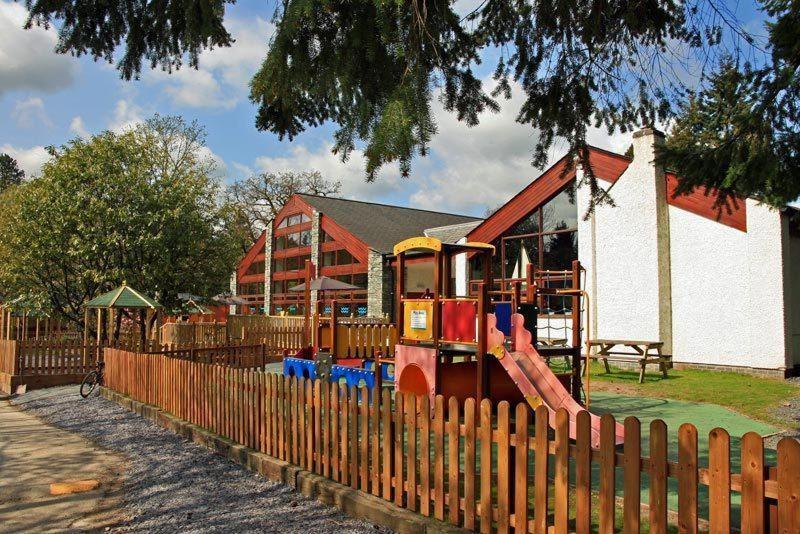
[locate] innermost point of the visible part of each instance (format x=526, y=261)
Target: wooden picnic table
x=644, y=353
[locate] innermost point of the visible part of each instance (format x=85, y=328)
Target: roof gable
x=453, y=233
x=539, y=191
x=381, y=226
x=702, y=203
x=607, y=166
x=255, y=250
x=123, y=297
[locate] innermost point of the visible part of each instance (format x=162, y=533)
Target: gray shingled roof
x=453, y=233
x=382, y=226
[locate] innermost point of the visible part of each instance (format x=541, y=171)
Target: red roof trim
x=349, y=241
x=607, y=166
x=294, y=205
x=252, y=254
x=701, y=202
x=536, y=193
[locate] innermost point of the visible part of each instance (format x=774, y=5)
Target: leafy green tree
x=374, y=67
x=10, y=173
x=140, y=206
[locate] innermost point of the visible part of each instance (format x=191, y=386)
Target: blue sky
x=46, y=99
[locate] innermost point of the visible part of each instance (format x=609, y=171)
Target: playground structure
x=332, y=353
x=478, y=346
x=475, y=347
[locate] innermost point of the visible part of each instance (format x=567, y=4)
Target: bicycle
x=92, y=380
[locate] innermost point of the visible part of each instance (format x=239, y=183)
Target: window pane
x=304, y=218
x=294, y=219
x=360, y=280
x=280, y=243
x=280, y=265
x=476, y=268
x=277, y=286
x=292, y=263
x=519, y=253
x=305, y=238
x=561, y=212
x=344, y=258
x=328, y=259
x=256, y=268
x=292, y=283
x=527, y=225
x=560, y=250
x=292, y=240
x=284, y=223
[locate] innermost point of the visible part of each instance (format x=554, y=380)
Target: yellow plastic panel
x=418, y=320
x=427, y=244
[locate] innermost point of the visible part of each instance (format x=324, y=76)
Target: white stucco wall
x=727, y=296
x=461, y=273
x=623, y=253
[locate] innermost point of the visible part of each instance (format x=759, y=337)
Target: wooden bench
x=644, y=353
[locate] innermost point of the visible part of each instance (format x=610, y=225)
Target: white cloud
x=220, y=167
x=30, y=113
x=350, y=173
x=471, y=169
x=27, y=57
x=29, y=159
x=243, y=170
x=222, y=78
x=126, y=115
x=77, y=127
x=467, y=170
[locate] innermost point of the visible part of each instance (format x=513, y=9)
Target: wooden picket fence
x=8, y=356
x=365, y=341
x=280, y=338
x=472, y=466
x=238, y=356
x=47, y=357
x=238, y=323
x=194, y=333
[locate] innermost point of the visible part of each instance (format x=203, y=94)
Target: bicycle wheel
x=90, y=381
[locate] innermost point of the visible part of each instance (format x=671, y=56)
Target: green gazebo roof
x=123, y=297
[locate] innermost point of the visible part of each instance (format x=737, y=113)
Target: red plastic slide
x=535, y=379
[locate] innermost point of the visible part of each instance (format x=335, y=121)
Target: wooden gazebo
x=121, y=302
x=21, y=319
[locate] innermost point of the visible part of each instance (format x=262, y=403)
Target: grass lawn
x=754, y=397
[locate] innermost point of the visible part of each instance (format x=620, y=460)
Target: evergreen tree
x=373, y=67
x=10, y=173
x=739, y=135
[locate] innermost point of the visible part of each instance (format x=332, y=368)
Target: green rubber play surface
x=674, y=413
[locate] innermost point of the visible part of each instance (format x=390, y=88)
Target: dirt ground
x=32, y=456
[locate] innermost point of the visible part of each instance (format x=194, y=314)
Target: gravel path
x=788, y=411
x=173, y=484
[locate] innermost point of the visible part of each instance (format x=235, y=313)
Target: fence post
x=263, y=357
x=17, y=361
